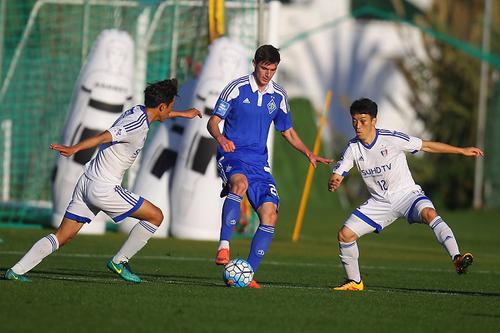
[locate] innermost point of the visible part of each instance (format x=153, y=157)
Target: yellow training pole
x=216, y=19
x=310, y=171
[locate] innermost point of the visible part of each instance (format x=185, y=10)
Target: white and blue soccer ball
x=238, y=273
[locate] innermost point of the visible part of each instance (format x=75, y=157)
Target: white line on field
x=265, y=286
x=275, y=263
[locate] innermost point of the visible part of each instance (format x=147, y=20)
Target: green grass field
x=411, y=285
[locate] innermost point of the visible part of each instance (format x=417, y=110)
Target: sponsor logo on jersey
x=376, y=170
x=246, y=101
x=361, y=159
x=222, y=108
x=271, y=106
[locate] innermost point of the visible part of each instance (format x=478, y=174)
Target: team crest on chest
x=384, y=152
x=271, y=106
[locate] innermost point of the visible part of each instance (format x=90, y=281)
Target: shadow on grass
x=106, y=277
x=436, y=291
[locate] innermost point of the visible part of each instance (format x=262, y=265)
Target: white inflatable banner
x=103, y=91
x=196, y=205
x=153, y=181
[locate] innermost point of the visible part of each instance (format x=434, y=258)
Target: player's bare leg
x=445, y=237
x=230, y=215
x=150, y=218
x=42, y=248
x=260, y=243
x=67, y=231
x=349, y=254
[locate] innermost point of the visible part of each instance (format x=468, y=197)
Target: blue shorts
x=261, y=184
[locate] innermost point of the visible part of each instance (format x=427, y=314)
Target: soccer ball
x=238, y=273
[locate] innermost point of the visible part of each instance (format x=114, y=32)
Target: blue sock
x=260, y=244
x=230, y=215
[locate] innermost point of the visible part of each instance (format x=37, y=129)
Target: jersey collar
x=143, y=109
x=253, y=84
x=373, y=142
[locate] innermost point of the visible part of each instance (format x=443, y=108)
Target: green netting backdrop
x=43, y=45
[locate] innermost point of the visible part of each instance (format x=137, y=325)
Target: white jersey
x=382, y=164
x=114, y=158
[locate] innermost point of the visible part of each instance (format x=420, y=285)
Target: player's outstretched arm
x=443, y=148
x=334, y=182
x=189, y=113
x=294, y=140
x=213, y=128
x=91, y=142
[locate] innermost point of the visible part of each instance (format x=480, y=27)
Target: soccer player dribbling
x=99, y=187
x=379, y=157
x=248, y=106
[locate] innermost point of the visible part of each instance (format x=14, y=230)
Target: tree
x=445, y=93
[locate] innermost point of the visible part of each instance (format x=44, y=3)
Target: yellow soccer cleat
x=351, y=286
x=461, y=262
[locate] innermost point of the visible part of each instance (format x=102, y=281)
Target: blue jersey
x=248, y=114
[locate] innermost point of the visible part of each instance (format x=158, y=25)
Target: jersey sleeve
x=283, y=119
x=345, y=163
x=408, y=143
x=118, y=133
x=127, y=126
x=414, y=145
x=226, y=100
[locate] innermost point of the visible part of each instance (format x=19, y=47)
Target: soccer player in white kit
x=99, y=187
x=379, y=156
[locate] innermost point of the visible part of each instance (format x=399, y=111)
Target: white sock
x=36, y=254
x=138, y=237
x=349, y=255
x=445, y=236
x=224, y=244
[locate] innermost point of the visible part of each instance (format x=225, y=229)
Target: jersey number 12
x=383, y=185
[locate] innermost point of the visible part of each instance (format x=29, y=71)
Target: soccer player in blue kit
x=99, y=187
x=248, y=106
x=379, y=156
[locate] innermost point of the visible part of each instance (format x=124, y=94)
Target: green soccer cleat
x=124, y=270
x=10, y=275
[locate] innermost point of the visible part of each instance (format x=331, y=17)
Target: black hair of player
x=267, y=54
x=364, y=106
x=160, y=92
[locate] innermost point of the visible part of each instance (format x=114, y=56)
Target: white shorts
x=90, y=197
x=375, y=215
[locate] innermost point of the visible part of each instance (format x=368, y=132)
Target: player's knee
x=346, y=235
x=269, y=218
x=157, y=217
x=428, y=214
x=63, y=239
x=239, y=187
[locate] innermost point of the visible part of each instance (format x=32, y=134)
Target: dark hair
x=267, y=54
x=364, y=106
x=160, y=92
